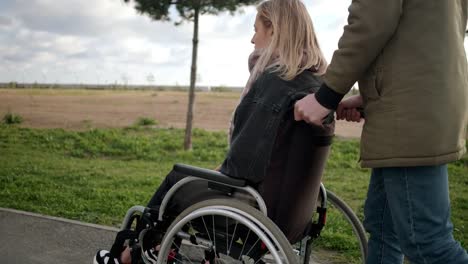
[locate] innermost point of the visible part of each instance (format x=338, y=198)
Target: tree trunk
x=193, y=76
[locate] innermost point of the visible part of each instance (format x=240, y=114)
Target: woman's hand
x=348, y=109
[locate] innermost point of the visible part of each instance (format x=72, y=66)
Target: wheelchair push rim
x=247, y=232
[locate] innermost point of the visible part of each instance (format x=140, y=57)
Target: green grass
x=93, y=176
x=96, y=175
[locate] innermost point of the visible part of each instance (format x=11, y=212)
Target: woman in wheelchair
x=268, y=149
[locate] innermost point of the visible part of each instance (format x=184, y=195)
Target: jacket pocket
x=369, y=87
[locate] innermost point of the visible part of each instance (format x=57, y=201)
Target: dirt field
x=84, y=109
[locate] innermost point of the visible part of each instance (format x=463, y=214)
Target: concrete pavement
x=29, y=238
x=33, y=238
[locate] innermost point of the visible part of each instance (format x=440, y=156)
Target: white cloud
x=72, y=41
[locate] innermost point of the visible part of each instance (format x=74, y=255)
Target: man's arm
x=371, y=24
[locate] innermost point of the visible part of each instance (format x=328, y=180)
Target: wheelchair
x=230, y=225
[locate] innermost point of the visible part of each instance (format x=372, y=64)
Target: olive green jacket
x=409, y=58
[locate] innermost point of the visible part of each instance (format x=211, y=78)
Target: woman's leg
x=125, y=255
x=171, y=179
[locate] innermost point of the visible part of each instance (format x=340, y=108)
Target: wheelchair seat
x=210, y=175
x=197, y=184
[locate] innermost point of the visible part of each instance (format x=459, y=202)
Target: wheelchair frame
x=199, y=174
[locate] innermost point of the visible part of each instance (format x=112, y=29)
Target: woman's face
x=262, y=35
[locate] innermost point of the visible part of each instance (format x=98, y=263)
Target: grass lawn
x=96, y=175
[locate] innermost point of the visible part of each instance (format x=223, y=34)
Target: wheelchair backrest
x=292, y=183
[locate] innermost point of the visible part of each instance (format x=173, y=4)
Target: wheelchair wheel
x=343, y=239
x=224, y=231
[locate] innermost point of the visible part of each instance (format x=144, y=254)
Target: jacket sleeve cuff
x=327, y=97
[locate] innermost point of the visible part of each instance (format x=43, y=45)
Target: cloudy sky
x=106, y=41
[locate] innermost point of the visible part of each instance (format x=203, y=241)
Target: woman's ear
x=270, y=29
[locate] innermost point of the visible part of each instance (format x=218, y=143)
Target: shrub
x=220, y=89
x=12, y=85
x=146, y=121
x=11, y=118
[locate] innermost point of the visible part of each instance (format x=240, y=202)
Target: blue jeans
x=407, y=212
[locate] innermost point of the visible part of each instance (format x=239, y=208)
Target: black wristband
x=327, y=97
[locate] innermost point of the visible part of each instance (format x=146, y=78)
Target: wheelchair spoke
x=227, y=236
x=232, y=239
x=252, y=247
x=182, y=254
x=214, y=234
x=244, y=242
x=258, y=261
x=185, y=257
x=246, y=228
x=206, y=228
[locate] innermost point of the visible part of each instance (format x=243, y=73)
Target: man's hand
x=347, y=109
x=309, y=110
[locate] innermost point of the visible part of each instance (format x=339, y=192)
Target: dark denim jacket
x=256, y=122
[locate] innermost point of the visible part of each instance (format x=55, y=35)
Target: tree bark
x=193, y=76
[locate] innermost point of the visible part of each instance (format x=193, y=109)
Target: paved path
x=32, y=238
x=29, y=238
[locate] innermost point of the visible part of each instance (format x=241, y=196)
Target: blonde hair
x=294, y=46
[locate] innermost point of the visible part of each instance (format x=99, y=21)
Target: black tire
x=358, y=229
x=263, y=222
